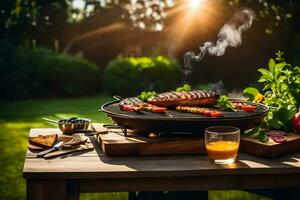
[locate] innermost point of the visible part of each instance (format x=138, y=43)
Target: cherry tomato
x=128, y=107
x=248, y=108
x=215, y=114
x=159, y=110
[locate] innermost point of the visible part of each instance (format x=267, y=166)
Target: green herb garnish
x=184, y=88
x=145, y=95
x=258, y=133
x=225, y=103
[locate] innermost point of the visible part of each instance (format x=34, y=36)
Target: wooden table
x=68, y=176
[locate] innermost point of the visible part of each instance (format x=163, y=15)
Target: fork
x=72, y=142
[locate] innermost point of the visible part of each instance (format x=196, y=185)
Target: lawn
x=16, y=119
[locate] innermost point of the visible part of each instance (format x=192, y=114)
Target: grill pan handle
x=119, y=98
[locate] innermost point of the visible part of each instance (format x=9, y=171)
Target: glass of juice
x=222, y=143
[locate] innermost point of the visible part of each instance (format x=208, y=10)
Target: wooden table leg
x=46, y=189
x=73, y=189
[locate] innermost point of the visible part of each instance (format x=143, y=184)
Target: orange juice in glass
x=222, y=143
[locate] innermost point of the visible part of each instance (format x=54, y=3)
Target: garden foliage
x=130, y=76
x=281, y=92
x=39, y=72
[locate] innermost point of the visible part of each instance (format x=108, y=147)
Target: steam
x=229, y=35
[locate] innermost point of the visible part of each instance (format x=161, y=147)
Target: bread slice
x=46, y=141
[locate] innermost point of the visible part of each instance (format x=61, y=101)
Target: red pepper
x=248, y=108
x=159, y=110
x=215, y=114
x=128, y=107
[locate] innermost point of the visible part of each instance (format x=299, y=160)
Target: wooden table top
x=95, y=164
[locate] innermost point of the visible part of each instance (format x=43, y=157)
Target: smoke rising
x=229, y=35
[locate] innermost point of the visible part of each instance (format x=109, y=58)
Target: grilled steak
x=191, y=98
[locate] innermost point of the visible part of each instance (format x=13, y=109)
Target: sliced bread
x=46, y=141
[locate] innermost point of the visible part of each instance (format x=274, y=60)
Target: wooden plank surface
x=270, y=149
x=95, y=164
x=116, y=144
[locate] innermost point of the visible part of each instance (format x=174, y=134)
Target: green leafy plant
x=281, y=87
x=251, y=92
x=185, y=88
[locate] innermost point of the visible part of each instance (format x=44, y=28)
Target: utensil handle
x=118, y=97
x=42, y=153
x=111, y=126
x=51, y=120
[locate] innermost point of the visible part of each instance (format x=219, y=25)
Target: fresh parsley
x=225, y=103
x=145, y=95
x=184, y=88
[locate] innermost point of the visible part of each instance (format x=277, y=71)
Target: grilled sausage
x=197, y=110
x=191, y=98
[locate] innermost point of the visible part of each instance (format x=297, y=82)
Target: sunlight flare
x=195, y=4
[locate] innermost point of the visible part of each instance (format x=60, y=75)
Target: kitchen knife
x=55, y=147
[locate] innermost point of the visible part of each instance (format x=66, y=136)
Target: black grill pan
x=176, y=121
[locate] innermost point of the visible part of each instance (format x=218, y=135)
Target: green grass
x=17, y=118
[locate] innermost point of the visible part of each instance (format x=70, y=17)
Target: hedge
x=129, y=76
x=40, y=72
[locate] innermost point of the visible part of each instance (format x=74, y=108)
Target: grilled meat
x=135, y=104
x=197, y=110
x=191, y=98
x=130, y=101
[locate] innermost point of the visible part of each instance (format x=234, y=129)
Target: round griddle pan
x=176, y=121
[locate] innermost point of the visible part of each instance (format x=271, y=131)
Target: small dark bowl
x=70, y=128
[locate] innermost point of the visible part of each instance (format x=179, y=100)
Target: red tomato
x=159, y=110
x=296, y=122
x=128, y=107
x=215, y=114
x=248, y=108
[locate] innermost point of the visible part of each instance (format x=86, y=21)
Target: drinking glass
x=222, y=143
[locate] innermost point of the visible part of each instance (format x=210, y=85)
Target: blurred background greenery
x=60, y=58
x=63, y=47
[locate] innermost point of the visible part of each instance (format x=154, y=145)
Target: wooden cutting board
x=80, y=148
x=270, y=149
x=114, y=143
x=63, y=138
